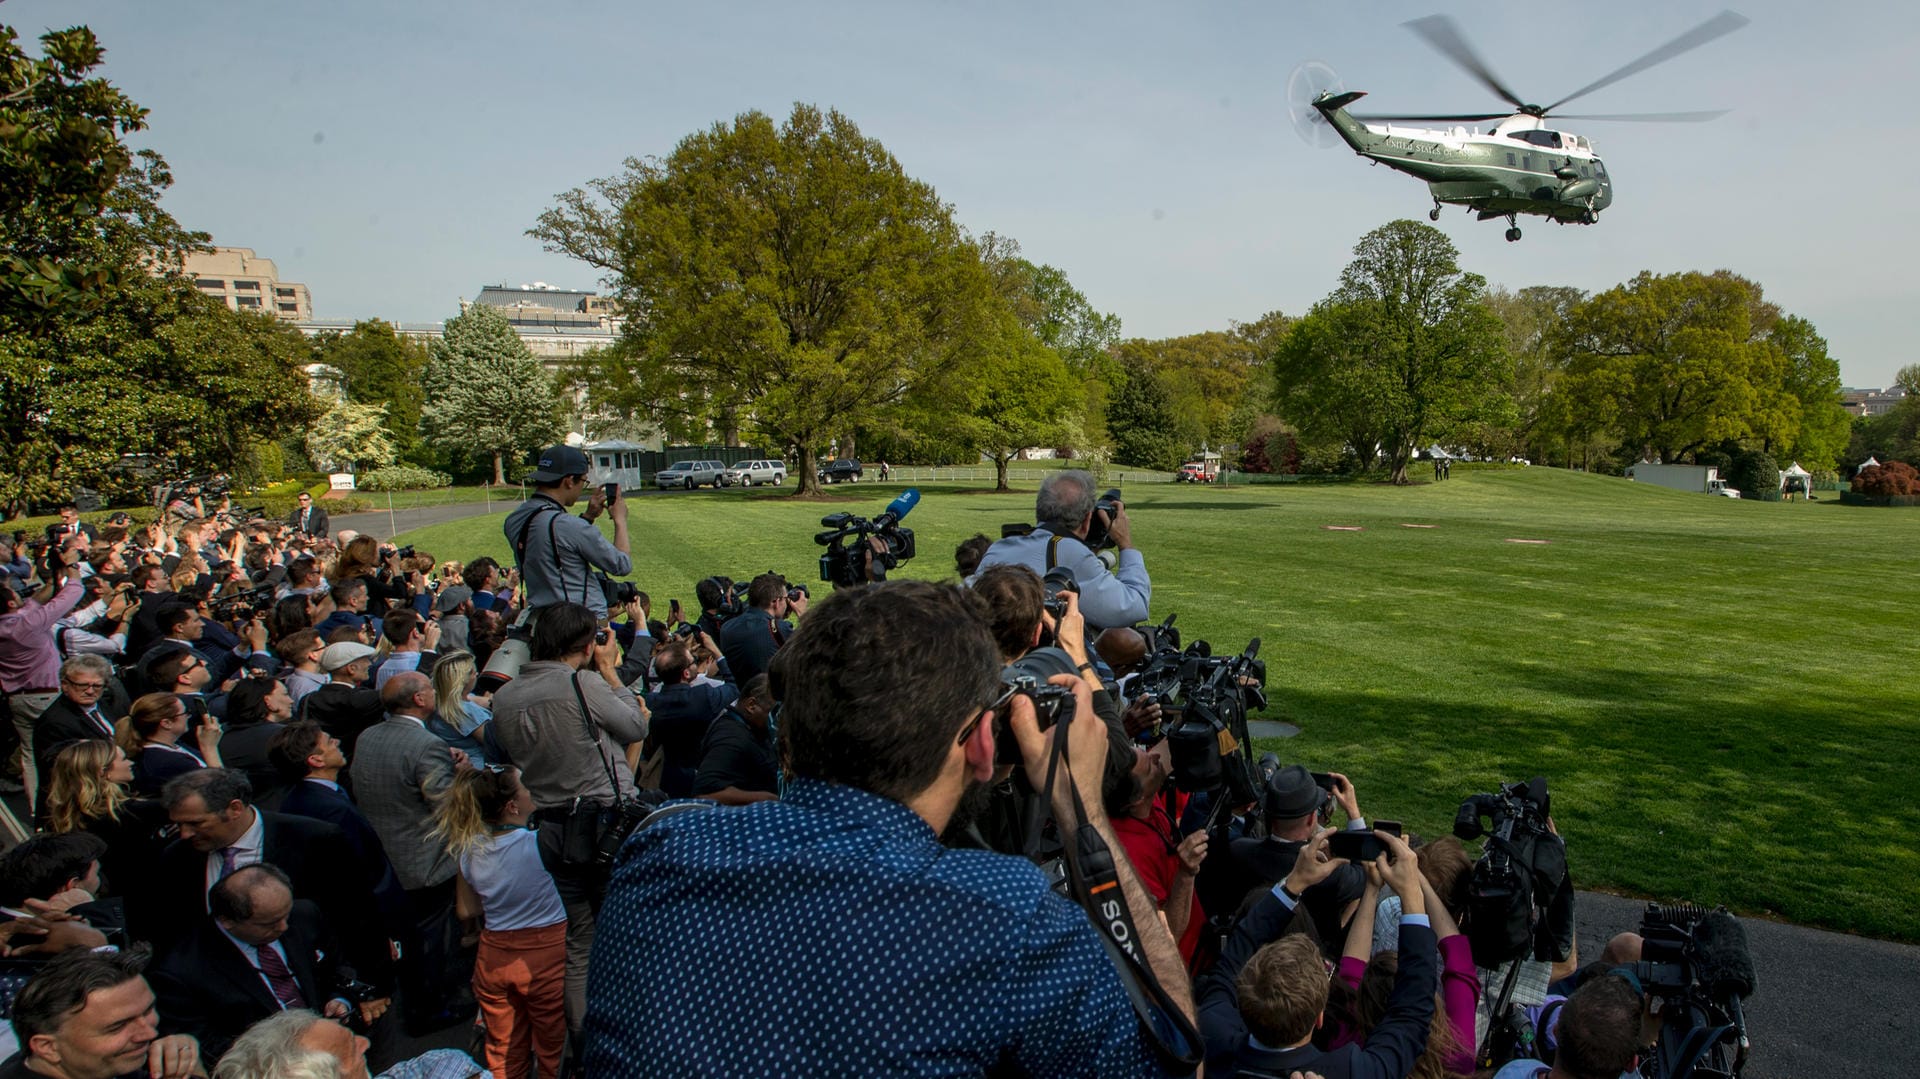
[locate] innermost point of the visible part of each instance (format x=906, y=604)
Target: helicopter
x=1521, y=165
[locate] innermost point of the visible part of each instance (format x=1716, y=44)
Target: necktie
x=285, y=989
x=99, y=720
x=227, y=858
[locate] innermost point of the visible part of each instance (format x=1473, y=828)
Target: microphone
x=898, y=509
x=1725, y=964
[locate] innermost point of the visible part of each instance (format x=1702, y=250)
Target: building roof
x=556, y=298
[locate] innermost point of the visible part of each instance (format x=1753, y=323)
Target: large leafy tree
x=487, y=397
x=1404, y=350
x=351, y=437
x=382, y=370
x=1145, y=430
x=1812, y=380
x=1025, y=396
x=790, y=279
x=1535, y=321
x=107, y=352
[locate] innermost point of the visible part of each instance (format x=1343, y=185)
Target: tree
x=1026, y=397
x=1755, y=475
x=1535, y=321
x=1813, y=380
x=379, y=368
x=107, y=352
x=351, y=437
x=794, y=280
x=1405, y=348
x=1141, y=414
x=486, y=394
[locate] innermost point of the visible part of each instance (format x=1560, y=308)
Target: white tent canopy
x=1797, y=478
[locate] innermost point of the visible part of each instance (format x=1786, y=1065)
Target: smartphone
x=1391, y=827
x=599, y=636
x=1323, y=780
x=1355, y=846
x=612, y=490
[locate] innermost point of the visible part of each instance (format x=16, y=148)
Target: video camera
x=1695, y=964
x=878, y=545
x=243, y=606
x=1205, y=699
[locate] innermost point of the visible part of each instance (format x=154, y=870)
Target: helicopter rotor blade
x=1441, y=33
x=1651, y=117
x=1719, y=26
x=1371, y=117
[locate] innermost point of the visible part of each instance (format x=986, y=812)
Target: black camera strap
x=553, y=547
x=1095, y=883
x=593, y=737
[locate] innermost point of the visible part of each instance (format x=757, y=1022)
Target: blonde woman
x=87, y=792
x=151, y=734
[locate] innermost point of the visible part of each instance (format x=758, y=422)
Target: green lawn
x=1720, y=692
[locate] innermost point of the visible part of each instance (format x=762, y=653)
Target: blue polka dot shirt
x=830, y=933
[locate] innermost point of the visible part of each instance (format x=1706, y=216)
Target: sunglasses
x=993, y=708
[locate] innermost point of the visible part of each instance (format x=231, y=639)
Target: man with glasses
x=308, y=519
x=84, y=710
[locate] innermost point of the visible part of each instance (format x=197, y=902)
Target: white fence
x=1017, y=476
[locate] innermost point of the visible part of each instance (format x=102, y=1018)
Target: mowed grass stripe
x=1719, y=691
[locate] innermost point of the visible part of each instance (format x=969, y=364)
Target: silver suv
x=755, y=473
x=689, y=474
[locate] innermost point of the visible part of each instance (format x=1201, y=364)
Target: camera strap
x=1095, y=883
x=593, y=737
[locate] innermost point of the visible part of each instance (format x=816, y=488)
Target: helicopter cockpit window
x=1549, y=139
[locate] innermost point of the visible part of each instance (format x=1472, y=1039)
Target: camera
x=1103, y=510
x=404, y=553
x=795, y=592
x=1205, y=700
x=1519, y=898
x=618, y=593
x=626, y=816
x=243, y=606
x=1027, y=677
x=1516, y=807
x=877, y=546
x=1059, y=580
x=1696, y=965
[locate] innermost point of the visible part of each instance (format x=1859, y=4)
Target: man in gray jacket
x=574, y=730
x=400, y=769
x=1064, y=515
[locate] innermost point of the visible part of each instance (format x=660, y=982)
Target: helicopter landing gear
x=1434, y=214
x=1513, y=229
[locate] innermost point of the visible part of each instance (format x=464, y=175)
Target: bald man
x=400, y=770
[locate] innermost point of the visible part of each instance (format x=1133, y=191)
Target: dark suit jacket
x=245, y=748
x=322, y=803
x=747, y=640
x=61, y=723
x=208, y=988
x=1390, y=1050
x=342, y=711
x=325, y=870
x=316, y=522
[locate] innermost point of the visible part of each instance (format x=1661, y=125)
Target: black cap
x=559, y=462
x=1291, y=794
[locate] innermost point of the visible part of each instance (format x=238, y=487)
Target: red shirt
x=1152, y=848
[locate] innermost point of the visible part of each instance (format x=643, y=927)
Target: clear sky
x=392, y=154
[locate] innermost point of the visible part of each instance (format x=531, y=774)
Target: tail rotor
x=1307, y=82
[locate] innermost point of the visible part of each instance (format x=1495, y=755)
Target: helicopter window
x=1511, y=161
x=1526, y=162
x=1585, y=172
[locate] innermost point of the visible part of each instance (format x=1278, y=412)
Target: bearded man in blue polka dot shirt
x=830, y=933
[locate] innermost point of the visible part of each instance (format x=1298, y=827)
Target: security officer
x=1064, y=514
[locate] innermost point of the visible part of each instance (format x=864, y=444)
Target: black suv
x=841, y=470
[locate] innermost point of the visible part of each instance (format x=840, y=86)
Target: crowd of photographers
x=298, y=797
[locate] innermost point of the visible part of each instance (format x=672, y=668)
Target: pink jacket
x=1459, y=991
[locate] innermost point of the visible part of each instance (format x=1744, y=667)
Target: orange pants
x=520, y=980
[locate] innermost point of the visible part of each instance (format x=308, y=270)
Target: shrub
x=401, y=478
x=1892, y=478
x=1754, y=474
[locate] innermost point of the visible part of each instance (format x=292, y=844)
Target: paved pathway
x=382, y=526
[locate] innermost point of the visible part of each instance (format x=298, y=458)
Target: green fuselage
x=1494, y=174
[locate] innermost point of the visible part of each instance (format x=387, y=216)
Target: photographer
x=555, y=722
x=29, y=659
x=1599, y=1035
x=1065, y=516
x=749, y=639
x=1295, y=805
x=562, y=557
x=871, y=949
x=681, y=713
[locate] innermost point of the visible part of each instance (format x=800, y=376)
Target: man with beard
x=970, y=963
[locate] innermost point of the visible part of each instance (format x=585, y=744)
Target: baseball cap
x=339, y=655
x=559, y=462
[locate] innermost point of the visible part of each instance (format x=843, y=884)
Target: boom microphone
x=1725, y=964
